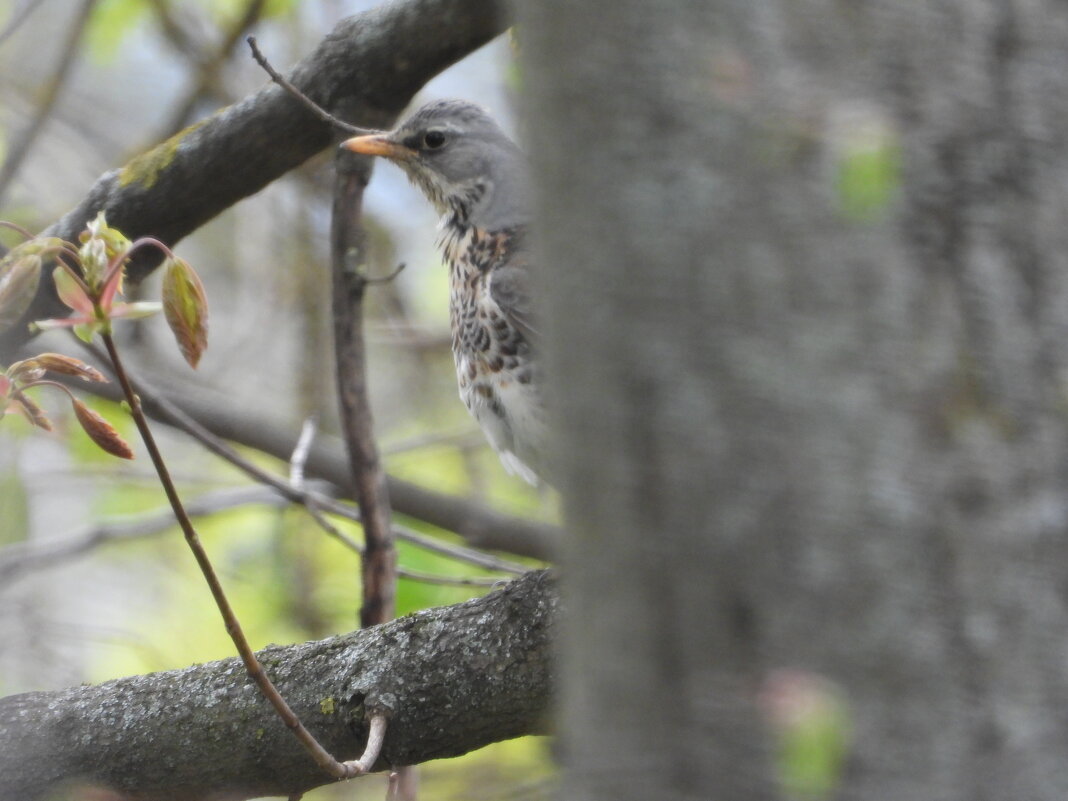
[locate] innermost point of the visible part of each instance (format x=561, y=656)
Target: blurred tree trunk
x=805, y=270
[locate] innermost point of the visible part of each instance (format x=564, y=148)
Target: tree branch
x=479, y=525
x=453, y=679
x=348, y=250
x=366, y=70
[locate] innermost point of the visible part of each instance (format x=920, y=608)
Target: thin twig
x=21, y=147
x=18, y=17
x=348, y=247
x=310, y=104
x=207, y=69
x=255, y=671
x=375, y=735
x=178, y=418
x=385, y=279
x=300, y=453
x=24, y=556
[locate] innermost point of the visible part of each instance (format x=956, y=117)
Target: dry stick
x=379, y=563
x=310, y=104
x=255, y=671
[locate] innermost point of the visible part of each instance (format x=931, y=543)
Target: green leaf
x=110, y=23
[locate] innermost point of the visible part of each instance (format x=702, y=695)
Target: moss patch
x=146, y=168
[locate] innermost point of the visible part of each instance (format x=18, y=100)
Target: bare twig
x=255, y=671
x=175, y=416
x=300, y=453
x=208, y=66
x=24, y=556
x=183, y=40
x=308, y=103
x=474, y=523
x=19, y=16
x=21, y=147
x=385, y=279
x=347, y=251
x=375, y=736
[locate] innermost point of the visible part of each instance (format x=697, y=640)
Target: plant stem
x=255, y=671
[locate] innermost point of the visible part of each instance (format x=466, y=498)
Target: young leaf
x=18, y=285
x=58, y=363
x=101, y=431
x=72, y=292
x=34, y=413
x=186, y=309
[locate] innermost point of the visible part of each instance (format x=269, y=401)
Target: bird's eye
x=433, y=139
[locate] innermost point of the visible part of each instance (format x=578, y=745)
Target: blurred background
x=85, y=86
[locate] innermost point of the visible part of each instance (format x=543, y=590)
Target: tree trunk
x=804, y=272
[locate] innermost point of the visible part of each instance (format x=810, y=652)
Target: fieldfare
x=476, y=177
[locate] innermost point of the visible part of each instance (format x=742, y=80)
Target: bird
x=476, y=177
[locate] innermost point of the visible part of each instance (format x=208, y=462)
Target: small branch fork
x=379, y=563
x=341, y=770
x=308, y=103
x=348, y=248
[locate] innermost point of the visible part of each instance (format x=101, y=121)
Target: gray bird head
x=461, y=159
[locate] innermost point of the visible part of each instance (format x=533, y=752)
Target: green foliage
x=867, y=178
x=810, y=719
x=110, y=23
x=113, y=21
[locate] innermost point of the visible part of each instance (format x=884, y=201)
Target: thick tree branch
x=453, y=679
x=366, y=70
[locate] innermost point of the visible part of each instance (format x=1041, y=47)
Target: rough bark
x=795, y=435
x=451, y=679
x=365, y=71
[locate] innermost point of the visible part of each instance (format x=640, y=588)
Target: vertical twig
x=348, y=253
x=252, y=665
x=379, y=563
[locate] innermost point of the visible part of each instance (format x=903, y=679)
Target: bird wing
x=509, y=286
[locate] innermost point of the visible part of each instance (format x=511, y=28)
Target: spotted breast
x=491, y=340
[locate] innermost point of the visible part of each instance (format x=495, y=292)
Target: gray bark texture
x=795, y=436
x=365, y=72
x=450, y=679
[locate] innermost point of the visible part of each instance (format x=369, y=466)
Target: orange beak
x=377, y=145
